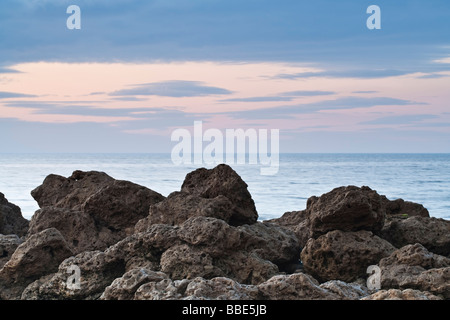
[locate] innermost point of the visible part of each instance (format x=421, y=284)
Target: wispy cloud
x=401, y=119
x=286, y=112
x=257, y=99
x=361, y=73
x=173, y=88
x=8, y=70
x=305, y=93
x=8, y=95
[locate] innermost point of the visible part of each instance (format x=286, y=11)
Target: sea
x=421, y=178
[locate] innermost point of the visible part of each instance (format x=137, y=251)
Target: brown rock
x=344, y=256
x=39, y=255
x=166, y=289
x=179, y=207
x=396, y=294
x=77, y=227
x=11, y=219
x=414, y=267
x=346, y=291
x=97, y=271
x=405, y=208
x=8, y=244
x=223, y=181
x=297, y=286
x=125, y=287
x=432, y=233
x=91, y=209
x=346, y=209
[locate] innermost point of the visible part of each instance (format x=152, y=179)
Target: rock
x=271, y=242
x=416, y=255
x=97, y=271
x=344, y=256
x=91, y=209
x=346, y=209
x=297, y=286
x=296, y=221
x=414, y=267
x=219, y=288
x=405, y=208
x=77, y=227
x=282, y=287
x=37, y=256
x=218, y=193
x=200, y=247
x=346, y=291
x=432, y=233
x=11, y=219
x=223, y=181
x=125, y=287
x=8, y=244
x=212, y=248
x=179, y=207
x=396, y=294
x=166, y=289
x=71, y=192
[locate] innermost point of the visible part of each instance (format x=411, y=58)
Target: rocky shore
x=95, y=237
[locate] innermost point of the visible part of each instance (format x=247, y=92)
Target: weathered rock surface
x=346, y=209
x=8, y=244
x=405, y=208
x=39, y=255
x=223, y=180
x=396, y=294
x=218, y=193
x=90, y=209
x=204, y=242
x=432, y=233
x=125, y=287
x=200, y=247
x=344, y=256
x=414, y=267
x=296, y=286
x=346, y=291
x=11, y=219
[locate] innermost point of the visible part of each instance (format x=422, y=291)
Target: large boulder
x=414, y=267
x=91, y=209
x=432, y=233
x=11, y=219
x=218, y=193
x=223, y=181
x=345, y=256
x=345, y=208
x=39, y=255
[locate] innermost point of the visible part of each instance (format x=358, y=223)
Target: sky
x=138, y=70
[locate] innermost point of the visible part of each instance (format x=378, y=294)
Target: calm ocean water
x=422, y=178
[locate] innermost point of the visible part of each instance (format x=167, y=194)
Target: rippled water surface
x=422, y=178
